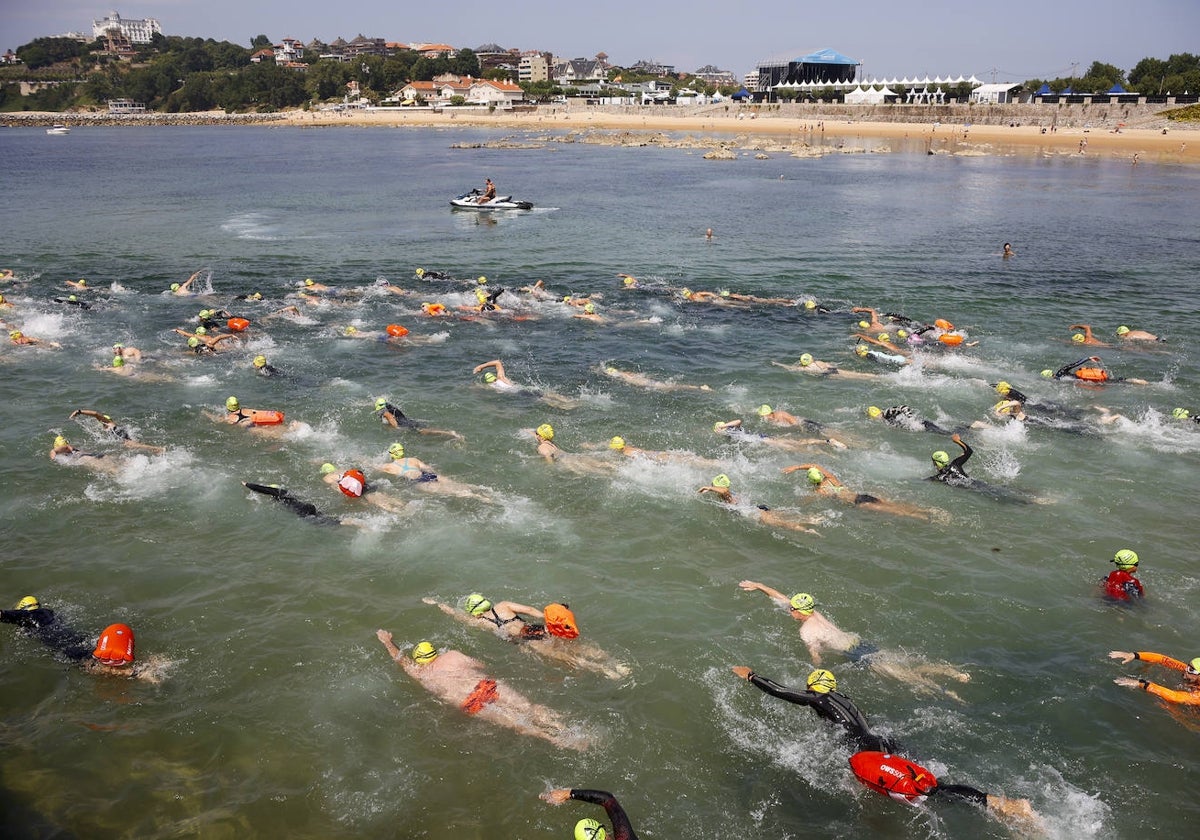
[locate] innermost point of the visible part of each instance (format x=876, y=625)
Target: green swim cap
x=327, y=468
x=806, y=359
x=821, y=681
x=193, y=341
x=174, y=287
x=1181, y=413
x=1126, y=559
x=1121, y=330
x=72, y=298
x=802, y=602
x=201, y=331
x=589, y=308
x=1047, y=373
x=941, y=458
x=764, y=410
x=860, y=349
x=424, y=653
x=260, y=361
x=489, y=378
x=396, y=450
x=589, y=829
x=1078, y=338
x=476, y=604
x=380, y=404
x=481, y=279
x=884, y=337
x=232, y=404
x=874, y=412
x=118, y=361
x=1193, y=667
x=815, y=476
x=118, y=345
x=617, y=443
x=810, y=304
x=725, y=293
x=862, y=325
x=721, y=480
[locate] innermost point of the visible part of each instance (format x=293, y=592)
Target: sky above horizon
x=1012, y=42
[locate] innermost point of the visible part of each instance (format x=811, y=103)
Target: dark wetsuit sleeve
x=930, y=426
x=964, y=792
x=43, y=626
x=1014, y=394
x=622, y=830
x=1067, y=370
x=800, y=698
x=959, y=462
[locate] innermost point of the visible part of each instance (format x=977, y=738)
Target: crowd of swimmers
x=883, y=342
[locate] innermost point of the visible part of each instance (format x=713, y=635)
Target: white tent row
x=871, y=83
x=869, y=96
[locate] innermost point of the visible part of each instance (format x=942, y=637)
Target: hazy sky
x=1010, y=41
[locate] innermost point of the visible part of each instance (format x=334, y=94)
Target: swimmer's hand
x=742, y=671
x=956, y=438
x=73, y=414
x=556, y=797
x=1127, y=682
x=383, y=636
x=1125, y=656
x=430, y=601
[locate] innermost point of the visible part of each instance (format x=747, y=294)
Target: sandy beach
x=1179, y=144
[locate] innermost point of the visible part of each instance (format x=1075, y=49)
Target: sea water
x=280, y=713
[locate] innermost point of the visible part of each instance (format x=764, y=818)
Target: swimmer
x=951, y=472
x=1086, y=336
x=5, y=303
x=391, y=415
x=428, y=481
x=537, y=291
x=459, y=680
x=263, y=368
x=826, y=484
x=773, y=301
x=815, y=367
x=1121, y=584
x=63, y=453
x=1185, y=414
x=628, y=281
x=129, y=354
x=113, y=431
x=1091, y=369
x=72, y=300
x=112, y=655
x=874, y=324
x=617, y=444
x=733, y=429
x=185, y=288
x=865, y=352
x=118, y=368
x=80, y=284
x=553, y=633
x=353, y=484
x=822, y=696
x=589, y=829
x=21, y=340
x=1126, y=334
x=782, y=418
x=589, y=314
x=313, y=287
x=212, y=342
x=1188, y=695
x=211, y=319
x=819, y=634
x=1008, y=251
x=255, y=419
x=903, y=417
x=640, y=380
x=305, y=510
x=7, y=274
x=884, y=340
x=496, y=378
x=382, y=285
x=763, y=514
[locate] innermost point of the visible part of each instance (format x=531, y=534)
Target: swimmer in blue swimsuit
x=423, y=475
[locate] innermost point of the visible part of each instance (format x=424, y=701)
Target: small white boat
x=58, y=128
x=470, y=201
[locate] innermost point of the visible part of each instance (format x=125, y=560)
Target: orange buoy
x=560, y=622
x=943, y=324
x=397, y=331
x=115, y=646
x=952, y=339
x=237, y=324
x=353, y=483
x=264, y=417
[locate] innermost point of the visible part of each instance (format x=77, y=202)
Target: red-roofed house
x=495, y=92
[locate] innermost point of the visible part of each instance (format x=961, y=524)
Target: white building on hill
x=134, y=31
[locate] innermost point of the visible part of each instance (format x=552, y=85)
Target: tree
x=259, y=42
x=465, y=63
x=42, y=52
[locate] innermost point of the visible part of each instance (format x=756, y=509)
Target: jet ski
x=470, y=201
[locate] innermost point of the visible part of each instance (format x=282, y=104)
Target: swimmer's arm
x=796, y=467
x=773, y=594
x=520, y=609
x=1186, y=698
x=87, y=412
x=773, y=688
x=185, y=333
x=1152, y=658
x=386, y=638
x=221, y=338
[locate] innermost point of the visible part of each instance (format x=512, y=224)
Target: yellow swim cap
x=232, y=404
x=589, y=308
x=687, y=293
x=862, y=325
x=589, y=829
x=424, y=653
x=29, y=602
x=174, y=287
x=1121, y=330
x=803, y=603
x=420, y=272
x=884, y=337
x=201, y=331
x=617, y=443
x=481, y=280
x=545, y=431
x=14, y=334
x=815, y=476
x=721, y=480
x=821, y=681
x=380, y=404
x=193, y=341
x=941, y=458
x=1180, y=413
x=806, y=359
x=396, y=450
x=351, y=330
x=118, y=361
x=629, y=281
x=1047, y=373
x=476, y=604
x=1003, y=407
x=764, y=410
x=1126, y=559
x=860, y=349
x=60, y=442
x=874, y=412
x=489, y=377
x=327, y=468
x=810, y=304
x=260, y=361
x=1002, y=388
x=308, y=282
x=1078, y=338
x=901, y=333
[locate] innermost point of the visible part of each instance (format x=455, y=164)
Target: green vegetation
x=1190, y=113
x=1179, y=74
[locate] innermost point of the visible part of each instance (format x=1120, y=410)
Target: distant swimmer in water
x=391, y=415
x=552, y=632
x=63, y=453
x=113, y=431
x=129, y=354
x=264, y=368
x=1121, y=584
x=495, y=377
x=72, y=300
x=733, y=430
x=884, y=340
x=822, y=696
x=112, y=655
x=305, y=510
x=550, y=451
x=1085, y=337
x=458, y=680
x=951, y=471
x=185, y=288
x=1091, y=370
x=628, y=281
x=641, y=380
x=313, y=287
x=21, y=340
x=820, y=635
x=815, y=367
x=589, y=829
x=80, y=284
x=212, y=342
x=352, y=484
x=428, y=481
x=1188, y=695
x=1008, y=251
x=874, y=324
x=617, y=444
x=590, y=314
x=720, y=487
x=1185, y=414
x=903, y=417
x=826, y=484
x=1126, y=334
x=865, y=352
x=782, y=418
x=117, y=367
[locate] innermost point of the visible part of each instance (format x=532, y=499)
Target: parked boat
x=470, y=201
x=58, y=128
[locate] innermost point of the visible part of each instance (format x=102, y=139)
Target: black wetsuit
x=81, y=304
x=834, y=707
x=904, y=417
x=965, y=792
x=489, y=303
x=953, y=472
x=268, y=370
x=403, y=421
x=305, y=510
x=42, y=625
x=622, y=830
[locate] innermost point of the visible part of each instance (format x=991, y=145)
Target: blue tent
x=1117, y=89
x=741, y=94
x=826, y=56
x=1044, y=90
x=1068, y=91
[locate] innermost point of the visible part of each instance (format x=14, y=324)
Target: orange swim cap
x=353, y=483
x=115, y=646
x=560, y=622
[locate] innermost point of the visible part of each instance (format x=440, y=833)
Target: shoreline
x=748, y=130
